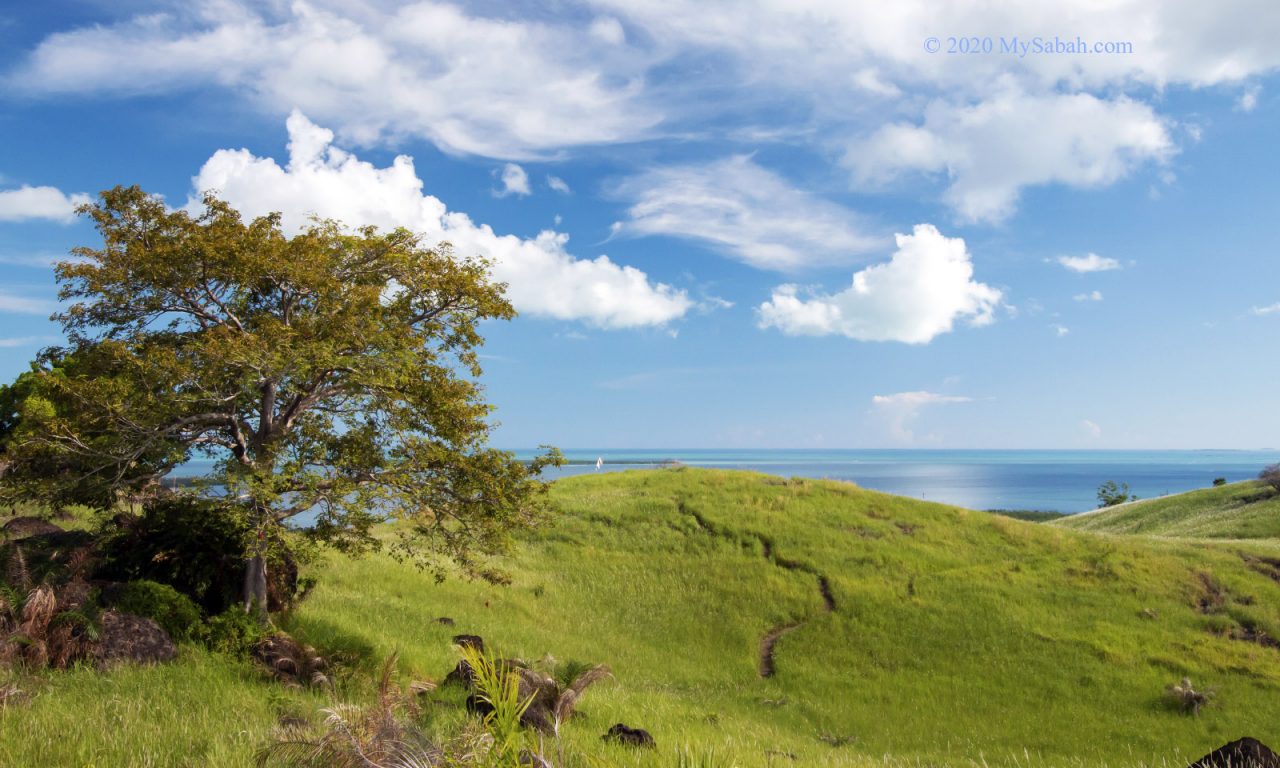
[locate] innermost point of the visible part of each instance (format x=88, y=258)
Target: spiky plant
x=379, y=735
x=497, y=685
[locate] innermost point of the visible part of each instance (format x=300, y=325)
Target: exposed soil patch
x=1213, y=598
x=767, y=644
x=1267, y=566
x=771, y=638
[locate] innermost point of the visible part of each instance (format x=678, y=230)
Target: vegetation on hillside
x=927, y=633
x=1246, y=510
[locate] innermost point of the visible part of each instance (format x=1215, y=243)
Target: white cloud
x=1249, y=99
x=503, y=81
x=25, y=305
x=1093, y=429
x=900, y=411
x=1268, y=310
x=1088, y=263
x=1060, y=330
x=514, y=182
x=496, y=86
x=746, y=211
x=918, y=294
x=1091, y=296
x=28, y=203
x=26, y=341
x=558, y=184
x=542, y=277
x=991, y=150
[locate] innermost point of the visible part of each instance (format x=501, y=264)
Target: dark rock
x=462, y=675
x=478, y=706
x=541, y=692
x=128, y=638
x=632, y=737
x=469, y=641
x=445, y=621
x=1242, y=753
x=22, y=527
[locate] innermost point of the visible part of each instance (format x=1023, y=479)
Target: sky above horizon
x=800, y=224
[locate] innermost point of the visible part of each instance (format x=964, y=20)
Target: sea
x=1047, y=480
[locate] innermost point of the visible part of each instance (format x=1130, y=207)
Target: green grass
x=1248, y=510
x=958, y=637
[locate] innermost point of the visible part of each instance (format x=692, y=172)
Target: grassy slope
x=956, y=635
x=1248, y=510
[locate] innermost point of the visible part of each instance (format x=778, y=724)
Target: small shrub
x=1271, y=476
x=172, y=610
x=1111, y=494
x=1219, y=482
x=234, y=632
x=1187, y=698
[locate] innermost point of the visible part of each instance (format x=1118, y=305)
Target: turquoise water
x=1059, y=481
x=1062, y=481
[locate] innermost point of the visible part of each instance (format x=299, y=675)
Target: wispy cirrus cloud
x=745, y=211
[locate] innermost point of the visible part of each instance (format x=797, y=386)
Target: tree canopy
x=332, y=373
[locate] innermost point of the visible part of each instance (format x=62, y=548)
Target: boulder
x=469, y=641
x=632, y=737
x=1241, y=753
x=23, y=527
x=126, y=638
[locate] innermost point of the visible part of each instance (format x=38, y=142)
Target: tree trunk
x=255, y=585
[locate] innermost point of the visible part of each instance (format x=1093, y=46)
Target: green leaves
x=330, y=373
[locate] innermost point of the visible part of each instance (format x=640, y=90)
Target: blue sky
x=757, y=224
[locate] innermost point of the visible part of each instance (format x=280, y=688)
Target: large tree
x=329, y=375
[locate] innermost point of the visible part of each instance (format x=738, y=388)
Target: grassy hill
x=1248, y=510
x=898, y=632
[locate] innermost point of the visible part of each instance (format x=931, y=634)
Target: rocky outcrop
x=1241, y=753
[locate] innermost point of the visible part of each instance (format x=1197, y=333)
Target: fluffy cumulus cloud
x=1091, y=262
x=34, y=203
x=990, y=151
x=900, y=410
x=921, y=292
x=745, y=211
x=543, y=277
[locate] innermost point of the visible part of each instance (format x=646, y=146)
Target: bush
x=172, y=610
x=1271, y=476
x=196, y=546
x=234, y=632
x=1219, y=481
x=1110, y=494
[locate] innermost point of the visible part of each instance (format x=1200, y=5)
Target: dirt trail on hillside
x=770, y=640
